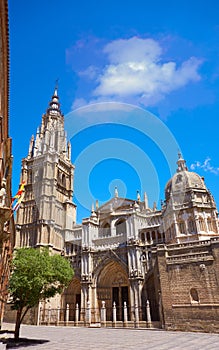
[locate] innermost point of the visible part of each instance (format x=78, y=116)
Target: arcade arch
x=72, y=296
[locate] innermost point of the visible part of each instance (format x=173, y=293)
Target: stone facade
x=6, y=218
x=134, y=265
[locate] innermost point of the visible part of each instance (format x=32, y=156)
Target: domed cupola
x=184, y=182
x=189, y=211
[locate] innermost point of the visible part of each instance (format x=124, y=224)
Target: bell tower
x=47, y=212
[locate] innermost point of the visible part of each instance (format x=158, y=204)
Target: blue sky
x=128, y=57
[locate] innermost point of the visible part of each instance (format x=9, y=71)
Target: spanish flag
x=17, y=205
x=19, y=192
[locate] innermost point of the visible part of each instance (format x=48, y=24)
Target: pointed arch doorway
x=113, y=286
x=72, y=297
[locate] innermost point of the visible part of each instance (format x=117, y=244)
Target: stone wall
x=189, y=278
x=10, y=315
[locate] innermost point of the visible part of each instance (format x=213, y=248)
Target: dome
x=183, y=180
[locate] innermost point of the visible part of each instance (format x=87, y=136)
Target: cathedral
x=135, y=266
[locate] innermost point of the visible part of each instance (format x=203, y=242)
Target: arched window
x=182, y=227
x=143, y=237
x=29, y=178
x=148, y=236
x=210, y=226
x=120, y=226
x=105, y=230
x=202, y=224
x=153, y=236
x=59, y=177
x=63, y=180
x=191, y=226
x=168, y=234
x=214, y=225
x=194, y=295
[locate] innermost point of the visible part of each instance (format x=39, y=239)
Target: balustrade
x=105, y=316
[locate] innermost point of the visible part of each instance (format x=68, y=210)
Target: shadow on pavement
x=11, y=343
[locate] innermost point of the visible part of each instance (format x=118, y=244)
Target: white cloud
x=136, y=69
x=206, y=166
x=133, y=50
x=90, y=72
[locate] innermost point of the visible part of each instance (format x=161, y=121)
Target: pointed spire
x=54, y=105
x=145, y=200
x=181, y=163
x=116, y=193
x=93, y=214
x=31, y=147
x=55, y=94
x=69, y=150
x=138, y=196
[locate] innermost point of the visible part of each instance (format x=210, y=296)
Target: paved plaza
x=67, y=338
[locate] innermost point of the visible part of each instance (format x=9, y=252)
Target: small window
x=194, y=295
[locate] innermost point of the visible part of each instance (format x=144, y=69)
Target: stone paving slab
x=67, y=338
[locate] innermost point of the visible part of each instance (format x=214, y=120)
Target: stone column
x=95, y=305
x=196, y=215
x=49, y=315
x=76, y=315
x=88, y=314
x=177, y=234
x=83, y=302
x=114, y=314
x=58, y=315
x=103, y=314
x=206, y=222
x=136, y=316
x=125, y=315
x=67, y=314
x=132, y=301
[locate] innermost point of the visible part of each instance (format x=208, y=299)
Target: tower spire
x=116, y=193
x=54, y=105
x=181, y=163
